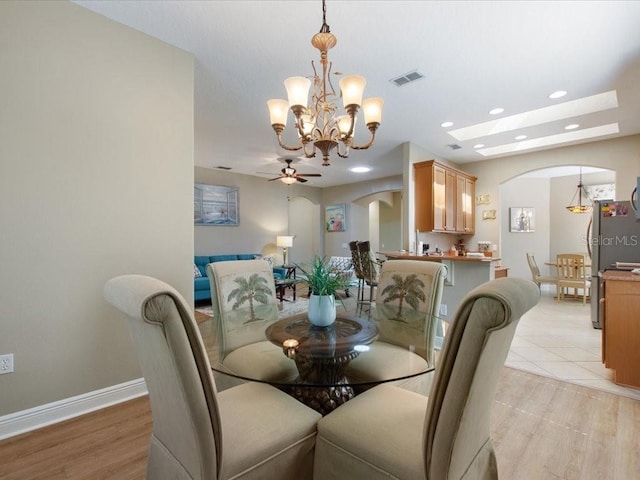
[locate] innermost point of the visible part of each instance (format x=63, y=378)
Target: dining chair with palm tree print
x=244, y=304
x=406, y=314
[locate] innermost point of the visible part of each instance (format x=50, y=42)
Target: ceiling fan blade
x=308, y=175
x=277, y=178
x=301, y=180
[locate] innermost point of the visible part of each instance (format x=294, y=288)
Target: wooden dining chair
x=572, y=274
x=535, y=273
x=252, y=431
x=390, y=432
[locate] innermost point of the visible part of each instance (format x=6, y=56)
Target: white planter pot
x=322, y=310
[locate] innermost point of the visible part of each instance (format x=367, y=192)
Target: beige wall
x=267, y=209
x=337, y=243
x=96, y=177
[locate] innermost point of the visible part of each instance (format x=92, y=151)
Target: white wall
x=96, y=178
x=619, y=155
x=524, y=192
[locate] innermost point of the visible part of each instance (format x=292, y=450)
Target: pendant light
x=580, y=208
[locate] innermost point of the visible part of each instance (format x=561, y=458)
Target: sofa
x=201, y=286
x=343, y=266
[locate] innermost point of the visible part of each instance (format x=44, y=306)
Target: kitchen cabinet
x=443, y=199
x=621, y=326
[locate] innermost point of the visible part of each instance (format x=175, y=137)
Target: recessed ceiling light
x=521, y=137
x=496, y=111
x=559, y=111
x=565, y=137
x=479, y=145
x=573, y=126
x=446, y=124
x=360, y=169
x=558, y=94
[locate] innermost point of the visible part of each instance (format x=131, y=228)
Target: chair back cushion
x=457, y=430
x=244, y=302
x=410, y=292
x=186, y=438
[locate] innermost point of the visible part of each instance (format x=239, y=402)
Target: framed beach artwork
x=521, y=219
x=215, y=205
x=336, y=218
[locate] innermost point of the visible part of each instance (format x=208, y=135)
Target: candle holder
x=290, y=347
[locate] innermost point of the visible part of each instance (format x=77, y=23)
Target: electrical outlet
x=6, y=363
x=443, y=309
x=344, y=245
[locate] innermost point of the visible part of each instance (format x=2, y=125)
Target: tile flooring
x=557, y=340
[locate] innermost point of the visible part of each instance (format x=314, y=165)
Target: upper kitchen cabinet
x=444, y=199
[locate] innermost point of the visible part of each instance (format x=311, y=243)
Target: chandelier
x=318, y=124
x=580, y=208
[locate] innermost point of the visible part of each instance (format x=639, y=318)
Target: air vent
x=220, y=167
x=407, y=78
x=454, y=146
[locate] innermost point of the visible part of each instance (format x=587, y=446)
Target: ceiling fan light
x=288, y=180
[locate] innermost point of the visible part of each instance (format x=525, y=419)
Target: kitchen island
x=464, y=273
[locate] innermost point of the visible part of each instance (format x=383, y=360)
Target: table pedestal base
x=323, y=399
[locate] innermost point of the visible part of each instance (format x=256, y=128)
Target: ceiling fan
x=290, y=175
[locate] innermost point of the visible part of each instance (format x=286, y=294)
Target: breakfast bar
x=464, y=273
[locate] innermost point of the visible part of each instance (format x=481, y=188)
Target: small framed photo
x=336, y=218
x=521, y=219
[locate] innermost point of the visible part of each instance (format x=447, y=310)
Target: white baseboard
x=50, y=413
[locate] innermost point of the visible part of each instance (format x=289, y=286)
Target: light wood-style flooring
x=542, y=429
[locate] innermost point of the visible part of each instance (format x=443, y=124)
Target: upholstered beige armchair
x=390, y=432
x=253, y=431
x=405, y=345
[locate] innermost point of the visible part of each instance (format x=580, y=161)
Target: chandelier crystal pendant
x=318, y=124
x=580, y=208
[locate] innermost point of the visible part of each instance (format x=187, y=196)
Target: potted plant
x=323, y=283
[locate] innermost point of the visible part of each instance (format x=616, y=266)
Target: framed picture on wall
x=336, y=218
x=215, y=205
x=521, y=219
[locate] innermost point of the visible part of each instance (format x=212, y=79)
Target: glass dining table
x=322, y=367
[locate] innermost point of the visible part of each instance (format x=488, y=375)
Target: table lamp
x=284, y=241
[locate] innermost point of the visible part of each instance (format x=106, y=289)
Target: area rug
x=287, y=308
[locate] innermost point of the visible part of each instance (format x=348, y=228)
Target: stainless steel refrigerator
x=614, y=238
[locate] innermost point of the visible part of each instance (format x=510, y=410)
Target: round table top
x=342, y=337
x=322, y=356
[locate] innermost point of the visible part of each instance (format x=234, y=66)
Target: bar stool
x=370, y=271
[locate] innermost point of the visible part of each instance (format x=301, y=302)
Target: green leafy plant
x=321, y=279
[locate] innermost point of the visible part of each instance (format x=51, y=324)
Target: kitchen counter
x=436, y=258
x=620, y=276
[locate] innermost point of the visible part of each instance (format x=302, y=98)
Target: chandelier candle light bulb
x=317, y=123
